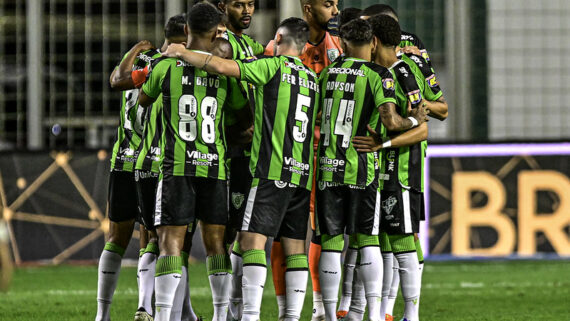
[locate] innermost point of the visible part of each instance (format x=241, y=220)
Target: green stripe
x=385, y=242
x=402, y=243
x=152, y=248
x=237, y=248
x=168, y=265
x=112, y=247
x=218, y=264
x=297, y=261
x=352, y=242
x=332, y=243
x=254, y=257
x=419, y=250
x=367, y=240
x=184, y=255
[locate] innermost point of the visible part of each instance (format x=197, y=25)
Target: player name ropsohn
x=340, y=86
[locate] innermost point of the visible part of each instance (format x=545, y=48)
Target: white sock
x=179, y=296
x=371, y=274
x=236, y=300
x=330, y=275
x=388, y=262
x=146, y=270
x=349, y=264
x=409, y=276
x=165, y=288
x=109, y=268
x=295, y=289
x=220, y=284
x=358, y=300
x=253, y=281
x=188, y=313
x=281, y=306
x=393, y=287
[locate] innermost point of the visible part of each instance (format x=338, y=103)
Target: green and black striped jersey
x=130, y=128
x=150, y=148
x=404, y=167
x=352, y=90
x=192, y=105
x=287, y=97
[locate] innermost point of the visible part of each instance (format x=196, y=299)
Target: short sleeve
x=153, y=85
x=382, y=84
x=258, y=71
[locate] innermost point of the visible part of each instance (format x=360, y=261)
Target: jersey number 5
x=188, y=111
x=301, y=118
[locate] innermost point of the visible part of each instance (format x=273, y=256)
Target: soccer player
x=286, y=95
x=122, y=206
x=355, y=92
x=239, y=15
x=192, y=184
x=320, y=51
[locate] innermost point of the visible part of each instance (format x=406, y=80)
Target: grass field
x=506, y=290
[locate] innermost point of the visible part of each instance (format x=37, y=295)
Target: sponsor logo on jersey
x=417, y=60
x=424, y=54
x=282, y=184
x=432, y=81
x=127, y=152
x=389, y=203
x=403, y=71
x=331, y=165
x=199, y=155
x=333, y=54
x=295, y=163
x=294, y=66
x=237, y=200
x=388, y=83
x=347, y=71
x=145, y=58
x=182, y=63
x=414, y=96
x=391, y=158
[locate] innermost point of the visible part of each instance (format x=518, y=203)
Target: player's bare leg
x=168, y=268
x=219, y=268
x=120, y=234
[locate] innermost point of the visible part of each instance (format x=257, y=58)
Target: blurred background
x=503, y=65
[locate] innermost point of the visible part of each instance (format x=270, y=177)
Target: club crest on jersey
x=414, y=96
x=388, y=83
x=424, y=54
x=237, y=200
x=333, y=54
x=388, y=204
x=432, y=81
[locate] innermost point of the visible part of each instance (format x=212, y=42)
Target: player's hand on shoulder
x=174, y=50
x=412, y=50
x=367, y=144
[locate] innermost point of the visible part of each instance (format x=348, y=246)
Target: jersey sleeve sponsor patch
x=414, y=96
x=432, y=81
x=388, y=83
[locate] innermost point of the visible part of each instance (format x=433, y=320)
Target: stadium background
x=503, y=65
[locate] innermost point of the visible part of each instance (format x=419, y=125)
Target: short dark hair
x=203, y=17
x=377, y=9
x=174, y=27
x=297, y=31
x=348, y=14
x=357, y=32
x=386, y=29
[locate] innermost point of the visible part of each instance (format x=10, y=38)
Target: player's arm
x=374, y=142
x=437, y=109
x=394, y=122
x=239, y=131
x=207, y=62
x=121, y=78
x=152, y=87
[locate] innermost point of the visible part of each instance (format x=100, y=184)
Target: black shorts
x=277, y=208
x=146, y=183
x=240, y=183
x=348, y=209
x=122, y=198
x=180, y=200
x=401, y=211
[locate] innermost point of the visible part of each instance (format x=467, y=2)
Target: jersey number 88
x=188, y=125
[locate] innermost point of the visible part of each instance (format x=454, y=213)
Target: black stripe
x=422, y=262
x=170, y=139
x=296, y=269
x=405, y=252
x=288, y=140
x=190, y=72
x=236, y=253
x=338, y=176
x=270, y=92
x=212, y=91
x=255, y=264
x=331, y=251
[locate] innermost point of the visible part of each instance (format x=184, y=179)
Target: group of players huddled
x=323, y=124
